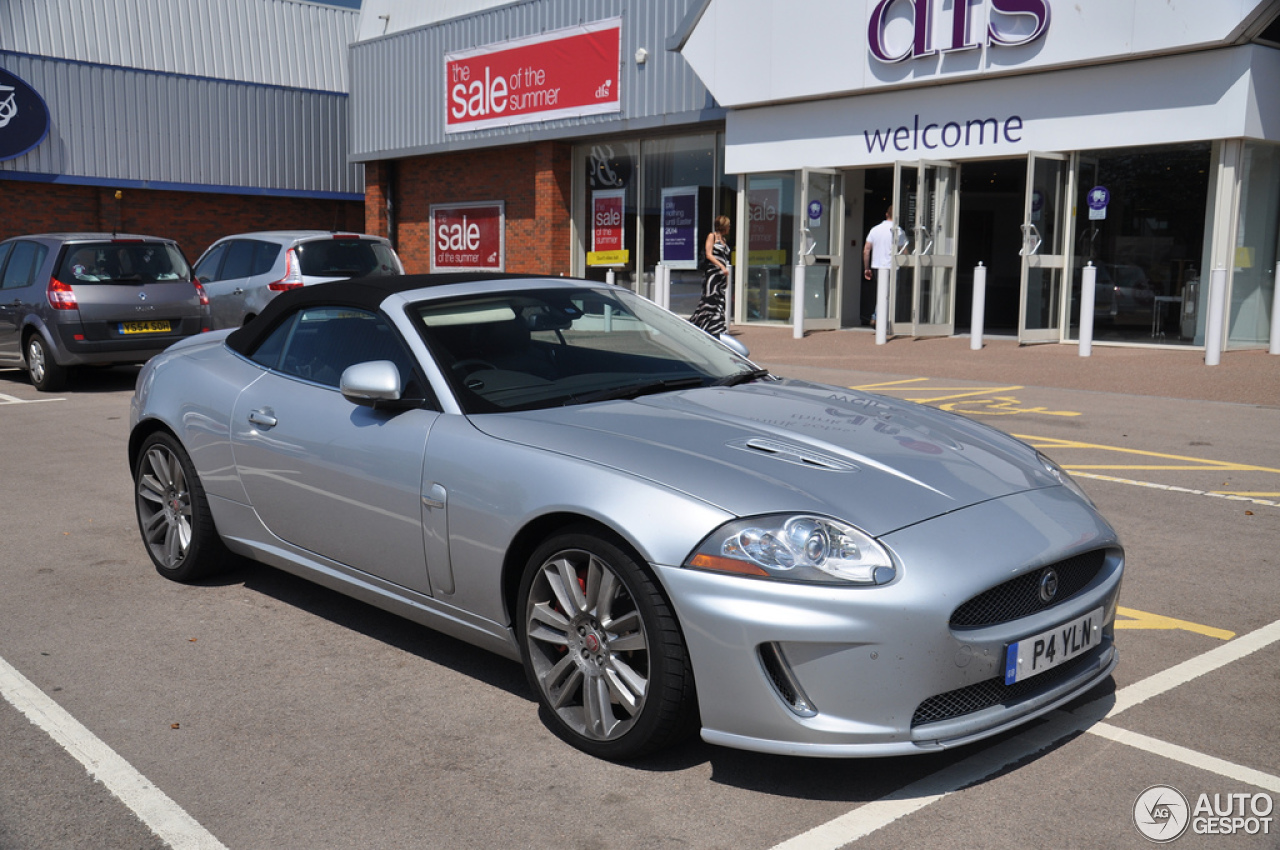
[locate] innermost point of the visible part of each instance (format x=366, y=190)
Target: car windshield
x=346, y=258
x=123, y=262
x=541, y=348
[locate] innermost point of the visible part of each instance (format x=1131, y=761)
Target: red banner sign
x=561, y=74
x=467, y=237
x=607, y=213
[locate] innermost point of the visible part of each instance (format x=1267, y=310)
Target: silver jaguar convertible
x=667, y=537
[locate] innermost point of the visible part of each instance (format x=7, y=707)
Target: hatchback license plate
x=1034, y=655
x=145, y=327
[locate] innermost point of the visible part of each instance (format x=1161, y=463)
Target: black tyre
x=602, y=649
x=173, y=513
x=46, y=375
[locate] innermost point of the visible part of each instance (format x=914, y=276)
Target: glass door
x=1044, y=247
x=926, y=209
x=902, y=274
x=820, y=218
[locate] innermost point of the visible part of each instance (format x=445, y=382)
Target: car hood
x=771, y=446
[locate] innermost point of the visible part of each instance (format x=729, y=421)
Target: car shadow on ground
x=845, y=780
x=82, y=381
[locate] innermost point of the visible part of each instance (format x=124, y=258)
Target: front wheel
x=173, y=512
x=602, y=649
x=46, y=375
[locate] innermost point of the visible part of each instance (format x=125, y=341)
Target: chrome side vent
x=784, y=680
x=791, y=453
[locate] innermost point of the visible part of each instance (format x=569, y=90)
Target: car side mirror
x=733, y=345
x=371, y=384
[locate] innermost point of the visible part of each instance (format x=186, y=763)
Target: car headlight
x=795, y=547
x=1063, y=478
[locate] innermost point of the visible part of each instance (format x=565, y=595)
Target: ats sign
x=467, y=237
x=24, y=119
x=562, y=74
x=905, y=29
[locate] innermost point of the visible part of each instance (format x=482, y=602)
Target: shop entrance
x=988, y=230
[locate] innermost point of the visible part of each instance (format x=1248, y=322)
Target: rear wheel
x=173, y=512
x=46, y=375
x=602, y=649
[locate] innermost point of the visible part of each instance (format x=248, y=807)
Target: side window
x=4, y=253
x=319, y=343
x=207, y=268
x=239, y=262
x=24, y=261
x=264, y=257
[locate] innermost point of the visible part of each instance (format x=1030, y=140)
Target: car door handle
x=237, y=291
x=264, y=417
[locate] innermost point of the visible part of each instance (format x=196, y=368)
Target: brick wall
x=194, y=219
x=533, y=181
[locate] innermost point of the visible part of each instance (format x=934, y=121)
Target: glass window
x=207, y=268
x=239, y=262
x=1145, y=241
x=318, y=344
x=1253, y=283
x=771, y=201
x=123, y=262
x=344, y=258
x=24, y=262
x=264, y=257
x=609, y=236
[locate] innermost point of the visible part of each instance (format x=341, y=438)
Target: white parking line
x=1231, y=497
x=13, y=399
x=870, y=817
x=152, y=806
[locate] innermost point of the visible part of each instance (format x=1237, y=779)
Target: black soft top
x=365, y=293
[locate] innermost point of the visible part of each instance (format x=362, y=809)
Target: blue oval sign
x=24, y=119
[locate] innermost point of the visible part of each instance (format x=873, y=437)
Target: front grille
x=1019, y=597
x=982, y=695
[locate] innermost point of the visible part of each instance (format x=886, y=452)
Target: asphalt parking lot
x=260, y=711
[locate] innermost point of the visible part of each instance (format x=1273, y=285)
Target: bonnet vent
x=793, y=454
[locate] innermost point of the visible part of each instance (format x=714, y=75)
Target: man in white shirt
x=877, y=250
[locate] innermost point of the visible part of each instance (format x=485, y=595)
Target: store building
x=183, y=118
x=1033, y=137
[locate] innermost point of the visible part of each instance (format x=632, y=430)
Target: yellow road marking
x=1204, y=464
x=1144, y=620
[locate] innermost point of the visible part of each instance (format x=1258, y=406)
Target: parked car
x=73, y=299
x=242, y=273
x=665, y=535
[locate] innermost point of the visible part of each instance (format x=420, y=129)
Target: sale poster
x=468, y=237
x=567, y=73
x=608, y=228
x=680, y=227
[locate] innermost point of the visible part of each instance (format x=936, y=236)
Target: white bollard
x=609, y=277
x=1213, y=320
x=1088, y=298
x=976, y=322
x=662, y=286
x=797, y=303
x=882, y=306
x=1275, y=312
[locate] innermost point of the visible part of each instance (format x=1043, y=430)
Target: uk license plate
x=145, y=327
x=1033, y=655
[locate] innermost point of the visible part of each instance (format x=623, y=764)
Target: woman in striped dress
x=709, y=314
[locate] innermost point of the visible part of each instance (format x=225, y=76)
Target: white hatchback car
x=241, y=273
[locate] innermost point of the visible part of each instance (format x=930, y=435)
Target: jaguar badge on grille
x=1048, y=585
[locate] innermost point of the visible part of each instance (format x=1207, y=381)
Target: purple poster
x=680, y=227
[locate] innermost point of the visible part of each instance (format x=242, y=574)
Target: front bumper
x=863, y=660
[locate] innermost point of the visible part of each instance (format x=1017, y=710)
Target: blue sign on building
x=24, y=118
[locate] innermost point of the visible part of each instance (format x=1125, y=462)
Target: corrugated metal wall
x=398, y=88
x=112, y=125
x=275, y=42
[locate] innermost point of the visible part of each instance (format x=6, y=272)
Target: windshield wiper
x=742, y=378
x=637, y=390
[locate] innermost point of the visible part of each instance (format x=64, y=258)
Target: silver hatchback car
x=73, y=299
x=243, y=272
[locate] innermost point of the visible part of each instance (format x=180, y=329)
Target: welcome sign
x=562, y=74
x=24, y=118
